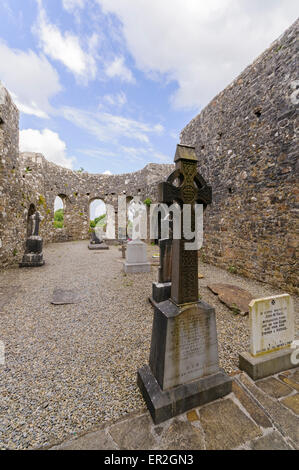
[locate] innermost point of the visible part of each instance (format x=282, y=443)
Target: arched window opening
x=98, y=217
x=59, y=212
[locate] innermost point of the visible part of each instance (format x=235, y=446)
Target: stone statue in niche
x=33, y=256
x=36, y=218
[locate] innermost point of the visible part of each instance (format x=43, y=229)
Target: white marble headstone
x=271, y=324
x=136, y=258
x=136, y=252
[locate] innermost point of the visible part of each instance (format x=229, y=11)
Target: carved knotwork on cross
x=191, y=189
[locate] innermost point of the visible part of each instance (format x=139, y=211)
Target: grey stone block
x=164, y=405
x=161, y=291
x=34, y=244
x=32, y=260
x=267, y=364
x=98, y=246
x=137, y=267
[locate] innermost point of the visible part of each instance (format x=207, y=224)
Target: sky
x=107, y=85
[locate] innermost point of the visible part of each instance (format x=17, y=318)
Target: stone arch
x=59, y=211
x=97, y=213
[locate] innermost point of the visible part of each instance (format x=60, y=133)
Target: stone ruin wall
x=28, y=178
x=247, y=144
x=10, y=225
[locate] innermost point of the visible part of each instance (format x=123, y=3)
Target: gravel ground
x=71, y=367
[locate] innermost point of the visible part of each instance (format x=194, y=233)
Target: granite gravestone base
x=160, y=292
x=272, y=332
x=33, y=256
x=263, y=366
x=183, y=370
x=136, y=258
x=98, y=246
x=96, y=243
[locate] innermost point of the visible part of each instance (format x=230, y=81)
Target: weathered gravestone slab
x=8, y=294
x=183, y=370
x=65, y=296
x=136, y=258
x=272, y=331
x=234, y=297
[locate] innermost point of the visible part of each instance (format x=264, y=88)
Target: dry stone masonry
x=246, y=140
x=29, y=180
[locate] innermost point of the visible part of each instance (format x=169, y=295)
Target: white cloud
x=162, y=157
x=97, y=208
x=30, y=78
x=58, y=203
x=202, y=45
x=66, y=47
x=175, y=135
x=109, y=127
x=72, y=5
x=46, y=142
x=144, y=153
x=132, y=154
x=118, y=69
x=107, y=172
x=118, y=99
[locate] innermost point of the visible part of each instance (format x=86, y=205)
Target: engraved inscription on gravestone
x=191, y=347
x=271, y=324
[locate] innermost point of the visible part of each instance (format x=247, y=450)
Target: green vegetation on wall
x=99, y=222
x=147, y=202
x=58, y=218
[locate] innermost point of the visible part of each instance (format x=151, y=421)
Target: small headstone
x=136, y=258
x=272, y=331
x=271, y=324
x=33, y=256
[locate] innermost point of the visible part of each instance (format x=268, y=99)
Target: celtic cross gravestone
x=183, y=370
